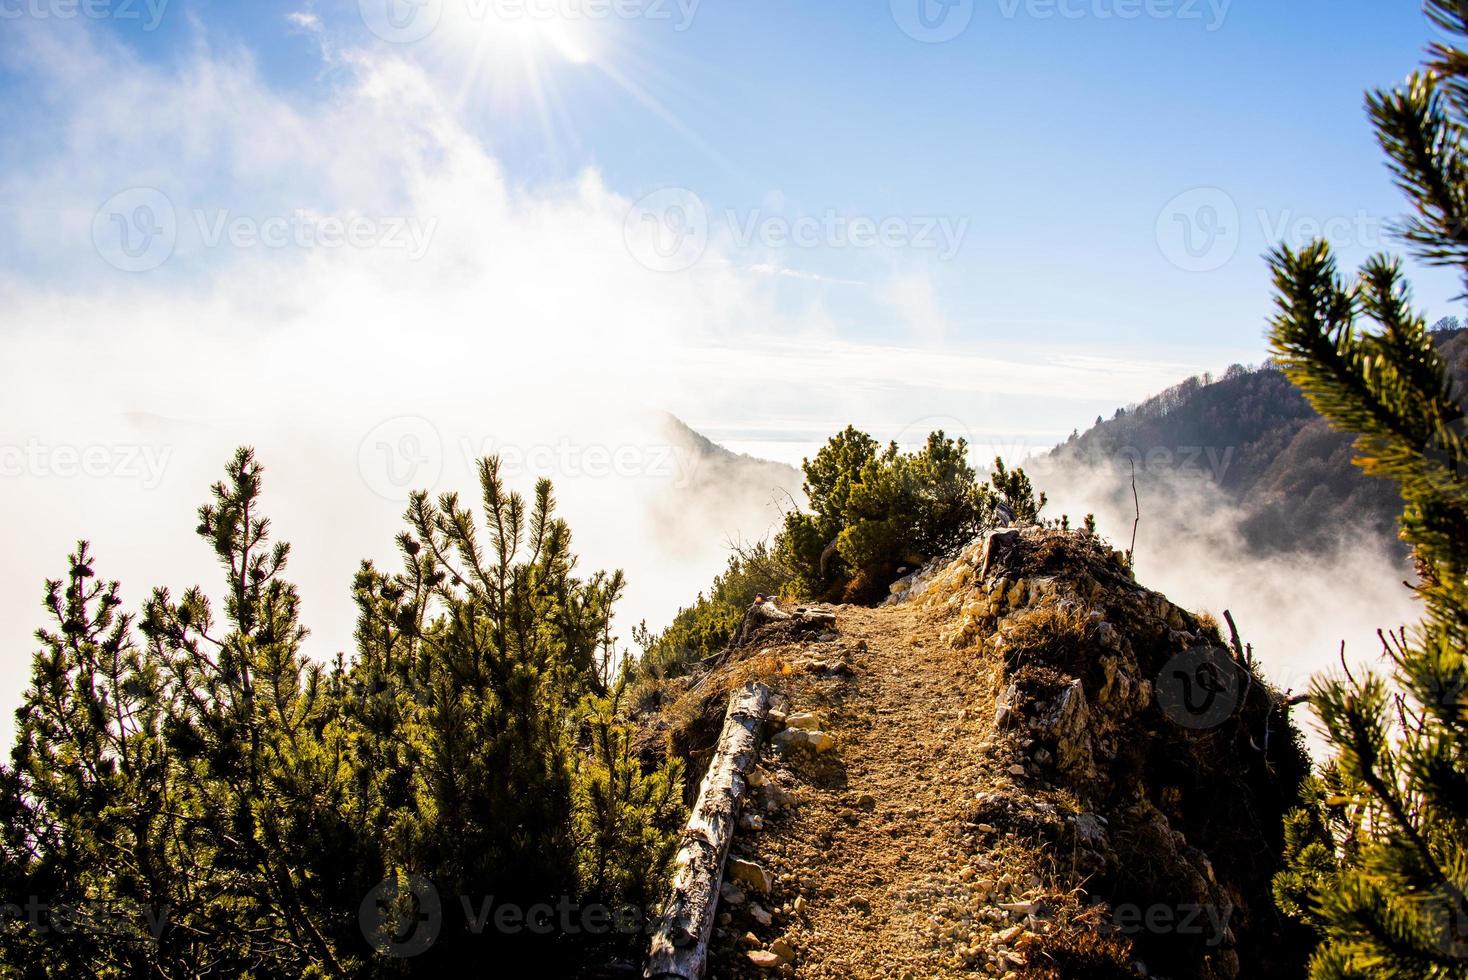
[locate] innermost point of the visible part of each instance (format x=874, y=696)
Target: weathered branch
x=680, y=944
x=766, y=611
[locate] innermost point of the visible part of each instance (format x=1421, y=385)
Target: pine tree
x=84, y=833
x=1380, y=852
x=482, y=699
x=246, y=720
x=200, y=798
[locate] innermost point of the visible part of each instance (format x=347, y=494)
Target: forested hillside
x=1252, y=437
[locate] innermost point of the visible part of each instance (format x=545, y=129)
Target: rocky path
x=871, y=844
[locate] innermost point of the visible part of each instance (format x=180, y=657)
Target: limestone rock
x=751, y=875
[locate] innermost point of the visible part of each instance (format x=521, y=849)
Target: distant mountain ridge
x=1254, y=439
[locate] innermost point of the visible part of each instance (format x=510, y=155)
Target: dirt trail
x=873, y=836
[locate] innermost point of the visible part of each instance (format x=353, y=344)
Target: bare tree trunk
x=680, y=944
x=767, y=612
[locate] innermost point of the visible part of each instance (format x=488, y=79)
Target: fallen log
x=680, y=943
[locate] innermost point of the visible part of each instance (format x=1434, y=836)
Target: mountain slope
x=1249, y=440
x=1011, y=784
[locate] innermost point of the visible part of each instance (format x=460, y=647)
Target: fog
x=1295, y=609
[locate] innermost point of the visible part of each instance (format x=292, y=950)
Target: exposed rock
x=783, y=949
x=792, y=739
x=750, y=874
x=763, y=959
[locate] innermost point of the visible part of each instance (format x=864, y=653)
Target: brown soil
x=877, y=837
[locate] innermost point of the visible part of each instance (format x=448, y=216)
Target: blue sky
x=1052, y=134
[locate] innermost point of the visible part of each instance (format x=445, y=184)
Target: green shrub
x=213, y=802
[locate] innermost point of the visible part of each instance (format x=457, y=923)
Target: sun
x=529, y=32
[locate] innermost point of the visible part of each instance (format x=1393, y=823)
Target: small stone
x=764, y=960
x=725, y=918
x=1016, y=770
x=750, y=939
x=1011, y=934
x=821, y=741
x=759, y=914
x=801, y=905
x=731, y=894
x=802, y=719
x=789, y=740
x=750, y=874
x=783, y=949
